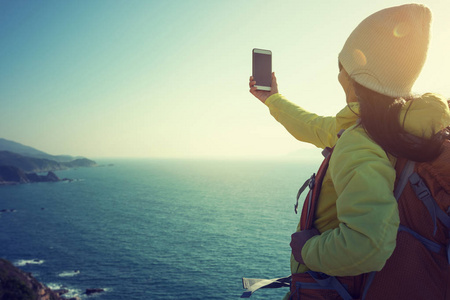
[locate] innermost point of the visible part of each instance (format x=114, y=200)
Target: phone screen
x=262, y=68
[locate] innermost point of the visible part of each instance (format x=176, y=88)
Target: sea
x=156, y=228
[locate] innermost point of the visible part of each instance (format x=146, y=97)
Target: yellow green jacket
x=357, y=213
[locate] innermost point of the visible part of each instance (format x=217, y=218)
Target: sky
x=169, y=79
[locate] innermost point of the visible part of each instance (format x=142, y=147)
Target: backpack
x=419, y=266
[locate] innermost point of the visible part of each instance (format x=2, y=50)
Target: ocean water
x=156, y=229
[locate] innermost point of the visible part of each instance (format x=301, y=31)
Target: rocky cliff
x=14, y=175
x=16, y=284
x=37, y=165
x=16, y=168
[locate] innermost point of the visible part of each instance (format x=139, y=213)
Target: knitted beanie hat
x=387, y=50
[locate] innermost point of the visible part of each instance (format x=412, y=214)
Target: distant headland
x=20, y=164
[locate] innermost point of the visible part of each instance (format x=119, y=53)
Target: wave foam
x=25, y=262
x=72, y=292
x=69, y=273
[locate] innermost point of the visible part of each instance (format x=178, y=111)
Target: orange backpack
x=419, y=266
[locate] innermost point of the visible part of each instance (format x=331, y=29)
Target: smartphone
x=262, y=69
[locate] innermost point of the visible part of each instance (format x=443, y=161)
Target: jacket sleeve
x=367, y=211
x=303, y=125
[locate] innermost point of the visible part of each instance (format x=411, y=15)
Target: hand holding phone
x=262, y=69
x=263, y=82
x=263, y=95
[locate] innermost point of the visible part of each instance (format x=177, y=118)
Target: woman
x=357, y=216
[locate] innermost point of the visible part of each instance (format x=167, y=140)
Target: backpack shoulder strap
x=408, y=169
x=315, y=185
x=424, y=194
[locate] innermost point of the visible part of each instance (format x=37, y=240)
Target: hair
x=380, y=118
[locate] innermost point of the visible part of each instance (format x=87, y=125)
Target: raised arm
x=303, y=125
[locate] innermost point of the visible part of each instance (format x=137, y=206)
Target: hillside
x=22, y=166
x=28, y=164
x=11, y=146
x=38, y=165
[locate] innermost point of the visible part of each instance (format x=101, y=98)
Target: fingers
x=262, y=95
x=251, y=82
x=253, y=90
x=252, y=85
x=274, y=83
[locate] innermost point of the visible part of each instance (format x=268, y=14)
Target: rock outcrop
x=94, y=291
x=14, y=175
x=80, y=162
x=16, y=284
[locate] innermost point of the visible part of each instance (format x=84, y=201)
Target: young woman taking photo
x=357, y=218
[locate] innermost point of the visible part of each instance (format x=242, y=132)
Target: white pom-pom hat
x=387, y=50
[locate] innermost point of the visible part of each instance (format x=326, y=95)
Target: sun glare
x=401, y=30
x=359, y=57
